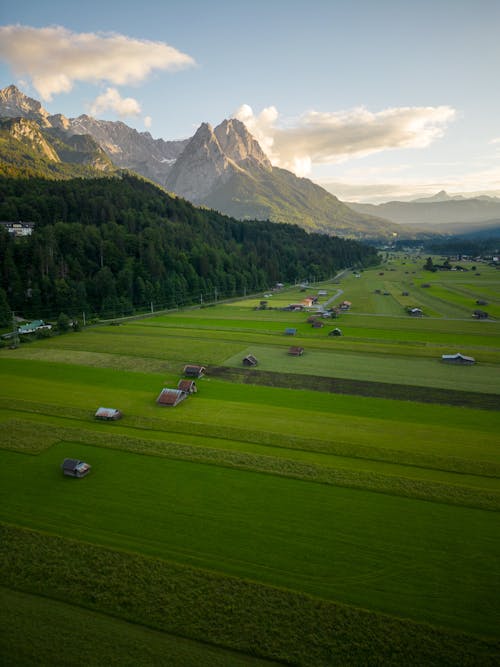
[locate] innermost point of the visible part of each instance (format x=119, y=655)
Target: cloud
x=332, y=137
x=54, y=58
x=148, y=121
x=112, y=100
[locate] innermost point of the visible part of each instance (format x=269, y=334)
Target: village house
x=19, y=229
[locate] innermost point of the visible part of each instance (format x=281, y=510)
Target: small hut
x=188, y=386
x=250, y=360
x=194, y=371
x=75, y=468
x=415, y=312
x=290, y=331
x=335, y=332
x=458, y=358
x=296, y=351
x=318, y=324
x=108, y=414
x=171, y=397
x=480, y=314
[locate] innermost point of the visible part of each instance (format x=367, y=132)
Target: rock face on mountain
x=130, y=149
x=13, y=103
x=212, y=157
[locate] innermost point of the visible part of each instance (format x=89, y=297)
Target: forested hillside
x=111, y=246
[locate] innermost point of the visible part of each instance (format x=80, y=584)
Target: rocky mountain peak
x=238, y=144
x=15, y=103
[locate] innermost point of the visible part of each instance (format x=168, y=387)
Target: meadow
x=278, y=514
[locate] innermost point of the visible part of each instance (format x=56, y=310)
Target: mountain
x=130, y=149
x=226, y=169
x=222, y=168
x=435, y=211
x=440, y=196
x=29, y=148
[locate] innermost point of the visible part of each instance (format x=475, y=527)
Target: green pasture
x=315, y=538
x=83, y=637
x=294, y=497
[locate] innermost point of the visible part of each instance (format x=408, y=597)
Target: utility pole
x=15, y=338
x=152, y=309
x=84, y=321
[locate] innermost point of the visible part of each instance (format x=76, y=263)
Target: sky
x=375, y=100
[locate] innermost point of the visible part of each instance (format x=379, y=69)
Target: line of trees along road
x=113, y=245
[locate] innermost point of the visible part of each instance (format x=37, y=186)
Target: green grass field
x=268, y=523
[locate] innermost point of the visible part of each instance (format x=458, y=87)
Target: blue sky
x=381, y=100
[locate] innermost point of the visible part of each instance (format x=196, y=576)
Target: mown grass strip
x=154, y=429
x=408, y=487
x=252, y=618
x=359, y=387
x=61, y=633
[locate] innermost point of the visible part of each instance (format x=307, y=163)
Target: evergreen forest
x=118, y=245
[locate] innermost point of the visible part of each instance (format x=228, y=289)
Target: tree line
x=116, y=245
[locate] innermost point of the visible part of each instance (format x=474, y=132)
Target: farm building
x=317, y=324
x=290, y=331
x=480, y=314
x=335, y=332
x=31, y=327
x=171, y=397
x=415, y=312
x=75, y=468
x=308, y=302
x=108, y=414
x=250, y=360
x=193, y=371
x=296, y=351
x=188, y=386
x=458, y=359
x=345, y=305
x=481, y=302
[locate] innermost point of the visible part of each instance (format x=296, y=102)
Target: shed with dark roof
x=296, y=351
x=250, y=360
x=75, y=468
x=192, y=370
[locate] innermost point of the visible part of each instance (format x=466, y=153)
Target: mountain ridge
x=223, y=168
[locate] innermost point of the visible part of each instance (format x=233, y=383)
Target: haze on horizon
x=373, y=101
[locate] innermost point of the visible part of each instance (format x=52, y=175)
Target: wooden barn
x=296, y=351
x=458, y=358
x=335, y=332
x=171, y=397
x=415, y=312
x=318, y=324
x=108, y=414
x=480, y=314
x=290, y=331
x=75, y=468
x=250, y=360
x=193, y=371
x=188, y=386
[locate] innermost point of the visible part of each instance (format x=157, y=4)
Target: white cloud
x=333, y=137
x=54, y=58
x=111, y=100
x=148, y=121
